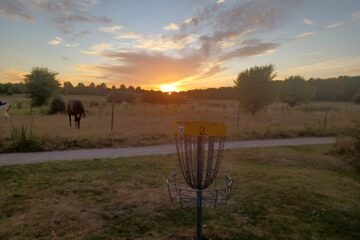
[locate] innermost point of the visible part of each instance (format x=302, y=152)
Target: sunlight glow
x=169, y=88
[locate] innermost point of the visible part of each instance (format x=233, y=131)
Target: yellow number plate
x=201, y=128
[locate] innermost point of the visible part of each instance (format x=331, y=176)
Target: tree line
x=254, y=88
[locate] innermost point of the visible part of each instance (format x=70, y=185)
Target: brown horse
x=76, y=108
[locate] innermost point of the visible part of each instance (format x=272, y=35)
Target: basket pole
x=198, y=214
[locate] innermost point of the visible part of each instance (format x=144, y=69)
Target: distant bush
x=122, y=96
x=163, y=98
x=57, y=105
x=296, y=90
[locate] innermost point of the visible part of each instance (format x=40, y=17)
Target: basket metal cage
x=218, y=194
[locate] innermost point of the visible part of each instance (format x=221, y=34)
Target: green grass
x=279, y=193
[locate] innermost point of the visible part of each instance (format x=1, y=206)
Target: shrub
x=356, y=98
x=350, y=146
x=345, y=145
x=296, y=90
x=23, y=141
x=57, y=105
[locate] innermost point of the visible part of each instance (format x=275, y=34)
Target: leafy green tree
x=41, y=84
x=68, y=87
x=296, y=90
x=138, y=89
x=254, y=86
x=81, y=88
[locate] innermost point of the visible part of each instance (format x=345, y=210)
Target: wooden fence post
x=112, y=115
x=238, y=120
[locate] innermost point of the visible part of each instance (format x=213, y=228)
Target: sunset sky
x=182, y=43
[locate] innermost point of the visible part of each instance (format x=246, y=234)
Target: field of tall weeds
x=151, y=124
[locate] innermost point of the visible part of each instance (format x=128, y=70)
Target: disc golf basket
x=200, y=147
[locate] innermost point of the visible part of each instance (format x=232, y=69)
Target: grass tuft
x=23, y=140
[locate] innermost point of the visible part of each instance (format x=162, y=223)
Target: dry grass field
x=145, y=124
x=278, y=193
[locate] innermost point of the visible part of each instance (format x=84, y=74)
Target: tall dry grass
x=145, y=124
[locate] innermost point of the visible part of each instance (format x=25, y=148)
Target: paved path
x=37, y=157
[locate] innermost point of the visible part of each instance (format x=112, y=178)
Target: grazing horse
x=76, y=108
x=5, y=108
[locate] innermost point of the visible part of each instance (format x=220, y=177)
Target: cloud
x=65, y=22
x=240, y=16
x=71, y=44
x=12, y=75
x=132, y=41
x=15, y=8
x=147, y=68
x=305, y=34
x=112, y=29
x=98, y=49
x=65, y=14
x=308, y=21
x=129, y=35
x=237, y=19
x=313, y=53
x=56, y=41
x=158, y=42
x=355, y=16
x=171, y=26
x=335, y=24
x=198, y=49
x=190, y=21
x=150, y=68
x=251, y=49
x=328, y=68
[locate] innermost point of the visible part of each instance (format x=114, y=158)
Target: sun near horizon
x=169, y=88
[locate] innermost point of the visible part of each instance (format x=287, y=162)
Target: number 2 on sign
x=202, y=131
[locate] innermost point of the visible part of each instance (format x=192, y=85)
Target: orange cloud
x=146, y=68
x=328, y=68
x=12, y=76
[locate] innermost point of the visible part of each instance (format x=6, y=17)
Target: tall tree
x=296, y=90
x=41, y=84
x=68, y=87
x=122, y=87
x=255, y=90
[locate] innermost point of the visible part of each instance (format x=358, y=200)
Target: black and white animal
x=75, y=108
x=5, y=108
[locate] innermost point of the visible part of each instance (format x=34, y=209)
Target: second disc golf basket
x=200, y=147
